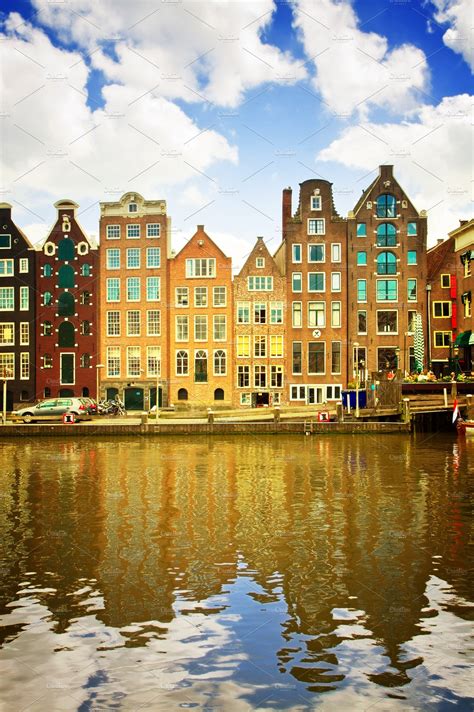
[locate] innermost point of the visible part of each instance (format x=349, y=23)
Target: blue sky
x=217, y=106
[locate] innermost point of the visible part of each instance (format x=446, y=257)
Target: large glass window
x=335, y=314
x=113, y=323
x=219, y=296
x=7, y=298
x=260, y=284
x=200, y=328
x=113, y=232
x=386, y=235
x=361, y=290
x=315, y=357
x=201, y=267
x=153, y=322
x=276, y=312
x=153, y=289
x=182, y=328
x=182, y=297
x=133, y=322
x=386, y=206
x=153, y=230
x=133, y=258
x=6, y=268
x=133, y=289
x=243, y=376
x=243, y=346
x=200, y=297
x=243, y=312
x=260, y=313
x=182, y=363
x=276, y=346
x=316, y=281
x=297, y=361
x=112, y=289
x=412, y=229
x=24, y=298
x=220, y=363
x=362, y=322
x=220, y=327
x=112, y=258
x=316, y=253
x=387, y=322
x=7, y=365
x=386, y=263
x=260, y=376
x=316, y=226
x=276, y=377
x=361, y=229
x=412, y=291
x=296, y=282
x=411, y=257
x=259, y=346
x=296, y=314
x=336, y=357
x=362, y=258
x=153, y=361
x=200, y=367
x=7, y=334
x=316, y=314
x=387, y=290
x=133, y=231
x=296, y=253
x=133, y=361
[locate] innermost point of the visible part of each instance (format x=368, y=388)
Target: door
x=134, y=399
x=67, y=369
x=153, y=397
x=314, y=395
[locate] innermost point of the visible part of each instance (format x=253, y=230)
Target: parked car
x=54, y=409
x=91, y=405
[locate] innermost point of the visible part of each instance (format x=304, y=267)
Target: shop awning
x=463, y=339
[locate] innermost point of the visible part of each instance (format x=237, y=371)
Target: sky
x=217, y=106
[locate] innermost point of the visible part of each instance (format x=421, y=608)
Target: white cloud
x=356, y=70
x=432, y=158
x=459, y=37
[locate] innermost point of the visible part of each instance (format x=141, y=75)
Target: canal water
x=243, y=573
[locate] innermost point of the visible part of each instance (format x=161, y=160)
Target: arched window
x=66, y=336
x=47, y=299
x=66, y=250
x=47, y=328
x=66, y=277
x=200, y=367
x=386, y=206
x=86, y=270
x=182, y=363
x=85, y=361
x=386, y=235
x=47, y=361
x=85, y=297
x=219, y=394
x=47, y=270
x=85, y=328
x=182, y=394
x=386, y=263
x=219, y=363
x=66, y=304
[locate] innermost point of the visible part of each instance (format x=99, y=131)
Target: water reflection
x=234, y=573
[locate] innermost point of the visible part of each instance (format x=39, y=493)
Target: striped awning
x=463, y=339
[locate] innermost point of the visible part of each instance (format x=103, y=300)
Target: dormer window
x=316, y=202
x=132, y=208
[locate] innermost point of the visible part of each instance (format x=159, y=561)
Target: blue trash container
x=350, y=397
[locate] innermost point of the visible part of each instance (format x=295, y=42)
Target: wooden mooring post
x=469, y=407
x=406, y=410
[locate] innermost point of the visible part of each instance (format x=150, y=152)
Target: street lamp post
x=98, y=366
x=397, y=358
x=356, y=360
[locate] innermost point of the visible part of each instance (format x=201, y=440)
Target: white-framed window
x=316, y=253
x=220, y=362
x=335, y=314
x=200, y=296
x=260, y=284
x=113, y=323
x=5, y=242
x=243, y=312
x=153, y=257
x=24, y=298
x=133, y=322
x=133, y=361
x=219, y=296
x=182, y=328
x=276, y=380
x=153, y=361
x=260, y=376
x=361, y=290
x=336, y=357
x=24, y=366
x=297, y=282
x=112, y=286
x=316, y=226
x=316, y=314
x=182, y=296
x=260, y=262
x=362, y=321
x=220, y=327
x=7, y=366
x=7, y=334
x=153, y=230
x=316, y=281
x=243, y=376
x=260, y=346
x=112, y=258
x=259, y=312
x=24, y=266
x=387, y=321
x=296, y=253
x=24, y=333
x=335, y=281
x=316, y=357
x=133, y=258
x=153, y=289
x=316, y=203
x=6, y=268
x=297, y=358
x=133, y=289
x=133, y=232
x=153, y=322
x=296, y=313
x=336, y=252
x=243, y=346
x=182, y=363
x=245, y=399
x=276, y=312
x=200, y=328
x=112, y=232
x=7, y=298
x=202, y=267
x=276, y=346
x=387, y=290
x=132, y=208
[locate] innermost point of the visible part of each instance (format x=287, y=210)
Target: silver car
x=54, y=409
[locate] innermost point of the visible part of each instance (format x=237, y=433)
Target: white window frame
x=336, y=249
x=9, y=328
x=181, y=320
x=336, y=276
x=215, y=301
x=385, y=333
x=149, y=321
x=116, y=251
x=317, y=291
x=294, y=260
x=149, y=227
x=316, y=231
x=316, y=202
x=310, y=247
x=108, y=231
x=129, y=230
x=215, y=319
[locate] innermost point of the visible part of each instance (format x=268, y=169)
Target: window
x=316, y=227
x=133, y=289
x=386, y=206
x=276, y=346
x=316, y=281
x=47, y=270
x=243, y=376
x=7, y=298
x=24, y=333
x=113, y=232
x=387, y=290
x=182, y=363
x=298, y=393
x=412, y=229
x=466, y=299
x=220, y=367
x=7, y=334
x=361, y=322
x=336, y=314
x=112, y=258
x=201, y=267
x=47, y=361
x=467, y=266
x=296, y=314
x=259, y=346
x=200, y=297
x=297, y=361
x=133, y=323
x=335, y=252
x=411, y=321
x=153, y=257
x=446, y=281
x=132, y=208
x=361, y=290
x=316, y=202
x=153, y=289
x=336, y=357
x=243, y=312
x=362, y=258
x=133, y=232
x=260, y=262
x=5, y=242
x=66, y=277
x=411, y=257
x=315, y=357
x=219, y=296
x=386, y=263
x=361, y=230
x=335, y=281
x=386, y=359
x=85, y=328
x=6, y=268
x=386, y=235
x=411, y=286
x=260, y=313
x=220, y=327
x=260, y=376
x=243, y=346
x=86, y=270
x=276, y=312
x=296, y=253
x=182, y=296
x=85, y=297
x=85, y=361
x=24, y=298
x=387, y=322
x=200, y=328
x=441, y=310
x=66, y=250
x=276, y=377
x=112, y=285
x=442, y=339
x=7, y=366
x=153, y=229
x=260, y=284
x=316, y=314
x=153, y=322
x=182, y=394
x=47, y=328
x=297, y=282
x=153, y=361
x=133, y=258
x=113, y=323
x=133, y=361
x=316, y=253
x=200, y=367
x=24, y=366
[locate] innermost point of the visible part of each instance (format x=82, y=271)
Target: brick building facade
x=464, y=250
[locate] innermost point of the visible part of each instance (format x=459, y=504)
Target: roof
x=436, y=257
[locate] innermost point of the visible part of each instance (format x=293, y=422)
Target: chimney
x=462, y=222
x=386, y=172
x=439, y=241
x=200, y=228
x=285, y=208
x=6, y=211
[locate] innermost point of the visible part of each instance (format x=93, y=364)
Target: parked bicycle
x=111, y=407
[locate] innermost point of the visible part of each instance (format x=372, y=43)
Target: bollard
x=339, y=412
x=210, y=416
x=445, y=394
x=406, y=410
x=470, y=407
x=276, y=414
x=144, y=418
x=454, y=389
